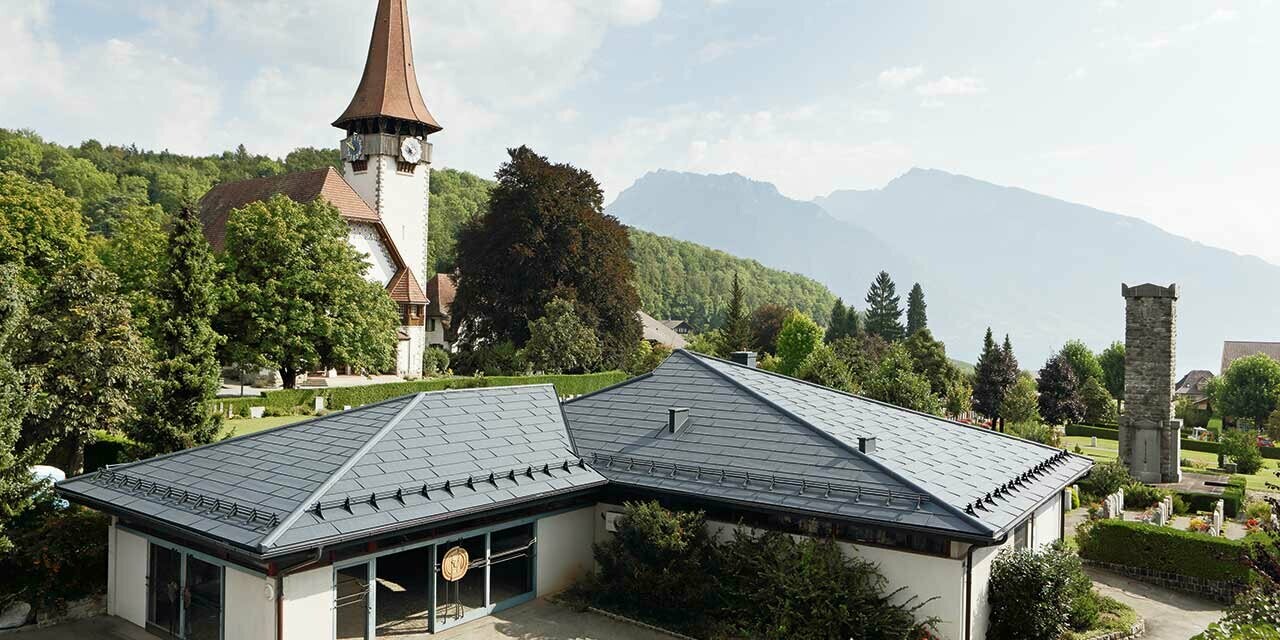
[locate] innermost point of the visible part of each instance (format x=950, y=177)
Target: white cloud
x=716, y=49
x=567, y=115
x=947, y=86
x=898, y=77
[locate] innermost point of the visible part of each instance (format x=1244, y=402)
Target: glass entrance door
x=184, y=595
x=455, y=599
x=351, y=603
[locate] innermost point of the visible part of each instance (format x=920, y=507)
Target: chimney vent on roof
x=677, y=419
x=867, y=445
x=744, y=358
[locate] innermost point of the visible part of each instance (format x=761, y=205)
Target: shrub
x=1036, y=432
x=1142, y=496
x=1146, y=546
x=1232, y=499
x=58, y=555
x=1259, y=510
x=1106, y=478
x=109, y=448
x=1242, y=447
x=1036, y=595
x=1075, y=498
x=1180, y=505
x=822, y=367
x=501, y=359
x=435, y=361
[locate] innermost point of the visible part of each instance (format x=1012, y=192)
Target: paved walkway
x=537, y=620
x=1169, y=615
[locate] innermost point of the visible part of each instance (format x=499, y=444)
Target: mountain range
x=1042, y=270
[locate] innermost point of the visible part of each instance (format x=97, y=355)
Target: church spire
x=389, y=87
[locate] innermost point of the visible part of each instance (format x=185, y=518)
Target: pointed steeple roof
x=389, y=86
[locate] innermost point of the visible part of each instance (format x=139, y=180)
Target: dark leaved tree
x=545, y=235
x=884, y=315
x=917, y=319
x=1060, y=399
x=766, y=324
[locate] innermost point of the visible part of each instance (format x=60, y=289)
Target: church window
x=405, y=167
x=360, y=166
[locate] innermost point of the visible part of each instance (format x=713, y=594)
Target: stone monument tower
x=1150, y=437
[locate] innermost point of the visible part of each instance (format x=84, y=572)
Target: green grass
x=242, y=426
x=1109, y=449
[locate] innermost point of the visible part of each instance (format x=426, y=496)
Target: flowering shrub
x=58, y=555
x=1198, y=525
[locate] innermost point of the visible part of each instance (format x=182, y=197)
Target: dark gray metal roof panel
x=366, y=468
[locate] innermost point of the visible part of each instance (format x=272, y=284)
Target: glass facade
x=184, y=595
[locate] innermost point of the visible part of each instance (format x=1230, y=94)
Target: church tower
x=386, y=155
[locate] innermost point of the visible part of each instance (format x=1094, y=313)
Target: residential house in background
x=441, y=289
x=1194, y=386
x=1233, y=350
x=681, y=327
x=657, y=332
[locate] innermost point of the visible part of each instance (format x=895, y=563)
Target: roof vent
x=677, y=419
x=744, y=358
x=867, y=445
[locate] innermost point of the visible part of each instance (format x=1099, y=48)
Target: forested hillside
x=127, y=194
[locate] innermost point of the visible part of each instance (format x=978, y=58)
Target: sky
x=1163, y=110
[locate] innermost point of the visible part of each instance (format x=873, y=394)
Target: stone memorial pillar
x=1150, y=437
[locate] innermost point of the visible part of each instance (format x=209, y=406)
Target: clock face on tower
x=411, y=150
x=353, y=148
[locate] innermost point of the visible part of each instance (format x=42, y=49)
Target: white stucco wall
x=564, y=549
x=979, y=609
x=401, y=201
x=366, y=239
x=250, y=608
x=1047, y=524
x=127, y=576
x=308, y=605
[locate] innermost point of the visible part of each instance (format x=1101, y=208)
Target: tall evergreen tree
x=884, y=315
x=736, y=331
x=917, y=319
x=836, y=326
x=988, y=379
x=187, y=375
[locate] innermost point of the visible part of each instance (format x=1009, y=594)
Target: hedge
x=1148, y=546
x=338, y=397
x=1272, y=453
x=109, y=448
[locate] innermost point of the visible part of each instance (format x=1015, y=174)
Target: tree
x=1060, y=401
x=545, y=235
x=1249, y=388
x=1242, y=447
x=736, y=331
x=1033, y=594
x=707, y=343
x=295, y=294
x=560, y=342
x=457, y=197
x=989, y=379
x=836, y=328
x=766, y=324
x=931, y=361
x=895, y=381
x=646, y=357
x=917, y=319
x=1099, y=406
x=16, y=487
x=1082, y=361
x=862, y=354
x=884, y=316
x=959, y=398
x=41, y=229
x=1112, y=362
x=800, y=335
x=1021, y=404
x=309, y=158
x=86, y=362
x=136, y=253
x=176, y=415
x=822, y=367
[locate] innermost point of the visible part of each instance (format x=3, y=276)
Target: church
x=383, y=189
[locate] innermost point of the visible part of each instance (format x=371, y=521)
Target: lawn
x=1109, y=449
x=241, y=426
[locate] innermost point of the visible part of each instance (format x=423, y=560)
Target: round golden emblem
x=454, y=564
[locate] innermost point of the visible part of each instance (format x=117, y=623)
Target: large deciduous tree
x=735, y=334
x=800, y=335
x=823, y=367
x=917, y=318
x=1060, y=400
x=187, y=375
x=296, y=296
x=1083, y=362
x=1249, y=388
x=1021, y=404
x=560, y=342
x=884, y=315
x=766, y=324
x=545, y=235
x=1112, y=362
x=896, y=382
x=16, y=487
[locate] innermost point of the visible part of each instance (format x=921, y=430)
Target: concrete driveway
x=1169, y=615
x=537, y=620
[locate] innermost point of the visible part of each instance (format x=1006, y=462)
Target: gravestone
x=1217, y=518
x=1150, y=437
x=319, y=403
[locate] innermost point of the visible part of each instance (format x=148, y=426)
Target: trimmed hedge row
x=108, y=448
x=1147, y=546
x=338, y=397
x=1272, y=453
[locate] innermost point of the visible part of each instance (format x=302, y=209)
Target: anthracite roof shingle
x=926, y=471
x=381, y=465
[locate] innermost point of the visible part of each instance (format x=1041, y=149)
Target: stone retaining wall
x=1219, y=590
x=1138, y=628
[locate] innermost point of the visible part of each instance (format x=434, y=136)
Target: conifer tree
x=988, y=380
x=735, y=334
x=884, y=315
x=187, y=374
x=917, y=319
x=839, y=319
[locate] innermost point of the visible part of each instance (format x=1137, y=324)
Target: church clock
x=353, y=148
x=411, y=150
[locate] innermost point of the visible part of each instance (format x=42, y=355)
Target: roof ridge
x=333, y=478
x=882, y=403
x=982, y=526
